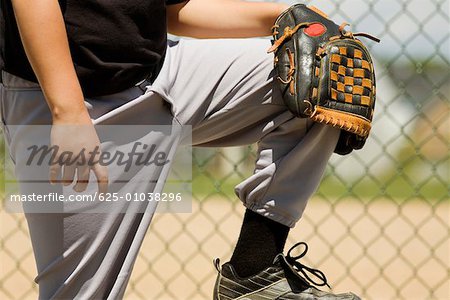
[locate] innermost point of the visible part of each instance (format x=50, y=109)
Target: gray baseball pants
x=225, y=90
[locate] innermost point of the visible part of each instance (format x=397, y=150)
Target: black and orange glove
x=325, y=73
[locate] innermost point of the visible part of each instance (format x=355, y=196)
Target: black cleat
x=281, y=281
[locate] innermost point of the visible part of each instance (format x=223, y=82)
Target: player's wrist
x=70, y=115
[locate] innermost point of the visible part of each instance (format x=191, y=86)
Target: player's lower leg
x=260, y=240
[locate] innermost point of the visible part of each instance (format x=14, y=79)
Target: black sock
x=260, y=240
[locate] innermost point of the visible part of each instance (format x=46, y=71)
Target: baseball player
x=86, y=63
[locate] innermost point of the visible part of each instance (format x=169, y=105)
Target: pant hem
x=272, y=213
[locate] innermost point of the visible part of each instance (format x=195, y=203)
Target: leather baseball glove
x=325, y=73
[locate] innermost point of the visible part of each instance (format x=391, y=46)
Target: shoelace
x=304, y=270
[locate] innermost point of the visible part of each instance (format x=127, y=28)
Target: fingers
x=54, y=172
x=68, y=175
x=101, y=172
x=73, y=164
x=82, y=179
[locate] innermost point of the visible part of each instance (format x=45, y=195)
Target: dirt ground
x=379, y=250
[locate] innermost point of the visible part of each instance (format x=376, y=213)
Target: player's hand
x=78, y=151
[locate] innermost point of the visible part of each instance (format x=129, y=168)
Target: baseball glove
x=325, y=73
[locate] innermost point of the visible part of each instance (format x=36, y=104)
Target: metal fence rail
x=380, y=223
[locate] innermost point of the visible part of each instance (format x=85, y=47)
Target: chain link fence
x=380, y=223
